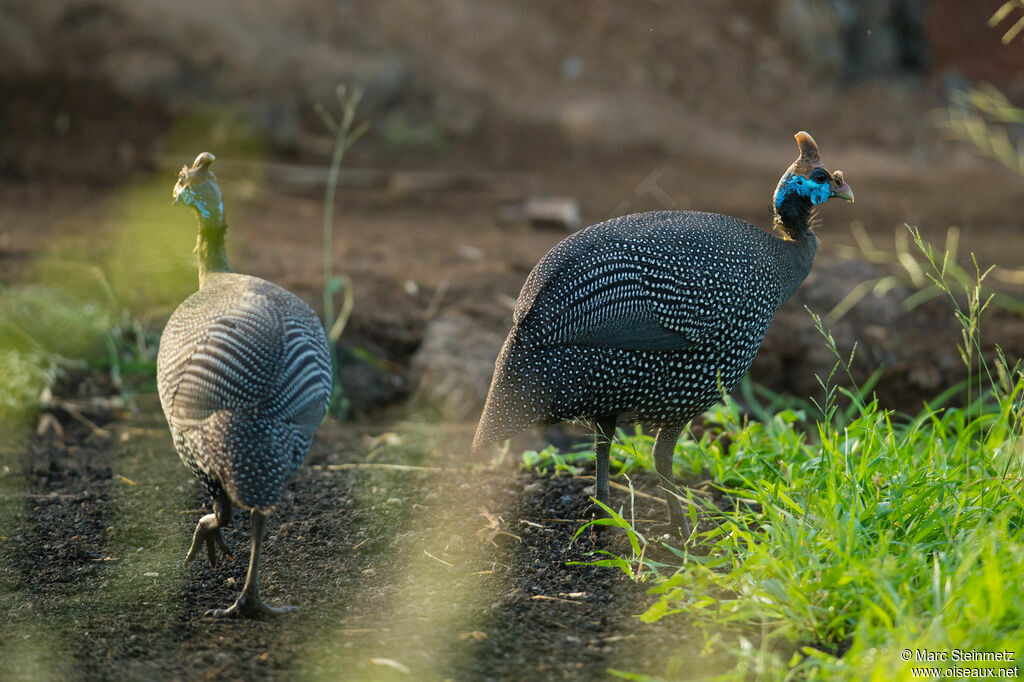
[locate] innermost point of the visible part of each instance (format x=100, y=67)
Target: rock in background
x=452, y=368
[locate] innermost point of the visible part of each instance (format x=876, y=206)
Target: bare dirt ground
x=457, y=572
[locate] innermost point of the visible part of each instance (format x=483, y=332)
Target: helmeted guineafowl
x=244, y=375
x=648, y=315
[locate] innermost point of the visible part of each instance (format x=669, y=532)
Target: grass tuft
x=46, y=331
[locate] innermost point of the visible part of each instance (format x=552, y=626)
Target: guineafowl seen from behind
x=244, y=376
x=649, y=316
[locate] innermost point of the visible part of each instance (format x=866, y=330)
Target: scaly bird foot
x=595, y=511
x=248, y=606
x=208, y=533
x=678, y=528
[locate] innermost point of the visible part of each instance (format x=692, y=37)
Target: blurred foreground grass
x=95, y=298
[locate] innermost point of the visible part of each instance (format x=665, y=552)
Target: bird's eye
x=820, y=175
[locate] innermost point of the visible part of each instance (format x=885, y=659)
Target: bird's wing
x=636, y=294
x=247, y=345
x=636, y=332
x=303, y=385
x=217, y=354
x=602, y=296
x=687, y=291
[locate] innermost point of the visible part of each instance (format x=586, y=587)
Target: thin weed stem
x=344, y=137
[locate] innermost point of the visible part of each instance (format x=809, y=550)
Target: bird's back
x=244, y=376
x=685, y=271
x=644, y=314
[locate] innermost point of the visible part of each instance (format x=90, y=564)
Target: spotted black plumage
x=244, y=376
x=651, y=315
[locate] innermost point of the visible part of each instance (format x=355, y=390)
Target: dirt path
x=420, y=573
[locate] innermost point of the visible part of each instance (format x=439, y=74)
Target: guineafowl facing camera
x=646, y=316
x=244, y=376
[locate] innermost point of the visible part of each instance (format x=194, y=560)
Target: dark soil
x=458, y=572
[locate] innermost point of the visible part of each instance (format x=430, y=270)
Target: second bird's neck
x=210, y=247
x=793, y=219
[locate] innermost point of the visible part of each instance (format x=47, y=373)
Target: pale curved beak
x=843, y=191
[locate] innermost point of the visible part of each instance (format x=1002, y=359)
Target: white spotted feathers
x=646, y=315
x=652, y=315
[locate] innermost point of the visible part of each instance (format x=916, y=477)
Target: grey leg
x=208, y=532
x=604, y=432
x=249, y=604
x=664, y=446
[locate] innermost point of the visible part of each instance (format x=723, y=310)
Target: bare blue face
x=817, y=191
x=205, y=198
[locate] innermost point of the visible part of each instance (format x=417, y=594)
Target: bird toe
x=208, y=535
x=247, y=606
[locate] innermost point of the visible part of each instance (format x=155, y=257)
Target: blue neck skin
x=206, y=200
x=816, y=193
x=209, y=207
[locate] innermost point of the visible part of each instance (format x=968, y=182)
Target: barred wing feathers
x=652, y=282
x=242, y=343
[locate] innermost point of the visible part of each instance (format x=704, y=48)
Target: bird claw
x=675, y=529
x=247, y=606
x=208, y=534
x=594, y=511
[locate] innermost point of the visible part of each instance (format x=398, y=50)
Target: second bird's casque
x=650, y=316
x=244, y=376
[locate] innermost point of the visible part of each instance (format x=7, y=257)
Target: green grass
x=45, y=331
x=850, y=533
x=854, y=544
